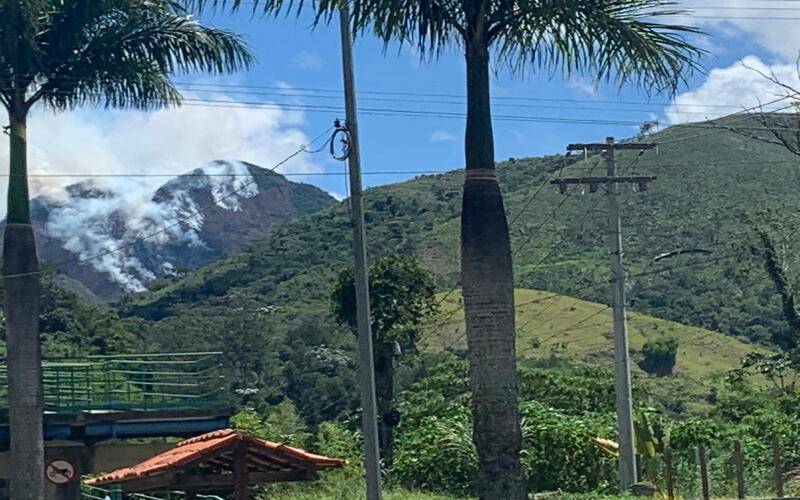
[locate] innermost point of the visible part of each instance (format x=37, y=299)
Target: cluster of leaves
x=660, y=355
x=563, y=407
x=402, y=297
x=280, y=423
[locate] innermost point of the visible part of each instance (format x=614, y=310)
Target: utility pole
x=366, y=368
x=622, y=370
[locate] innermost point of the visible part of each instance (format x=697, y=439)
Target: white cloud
x=740, y=17
x=582, y=85
x=729, y=90
x=443, y=136
x=307, y=60
x=169, y=141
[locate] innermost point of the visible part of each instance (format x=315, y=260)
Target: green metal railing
x=129, y=382
x=96, y=493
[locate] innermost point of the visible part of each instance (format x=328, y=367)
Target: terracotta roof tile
x=197, y=448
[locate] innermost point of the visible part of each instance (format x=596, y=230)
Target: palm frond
x=121, y=53
x=429, y=25
x=617, y=40
x=130, y=86
x=265, y=7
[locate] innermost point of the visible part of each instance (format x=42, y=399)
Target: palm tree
x=611, y=39
x=64, y=54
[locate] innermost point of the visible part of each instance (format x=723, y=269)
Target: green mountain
x=267, y=306
x=709, y=181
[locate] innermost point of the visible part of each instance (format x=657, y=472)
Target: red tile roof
x=193, y=451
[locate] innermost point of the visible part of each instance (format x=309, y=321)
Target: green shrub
x=436, y=454
x=279, y=423
x=558, y=454
x=659, y=356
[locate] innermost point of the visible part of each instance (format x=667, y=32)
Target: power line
x=406, y=100
x=365, y=95
x=516, y=250
x=741, y=115
x=288, y=91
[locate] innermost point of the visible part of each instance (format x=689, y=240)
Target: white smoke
x=101, y=226
x=92, y=142
x=120, y=150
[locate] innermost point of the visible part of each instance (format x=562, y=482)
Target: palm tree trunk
x=487, y=281
x=23, y=349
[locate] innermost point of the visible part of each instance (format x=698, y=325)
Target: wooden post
x=777, y=466
x=739, y=464
x=668, y=473
x=701, y=458
x=240, y=472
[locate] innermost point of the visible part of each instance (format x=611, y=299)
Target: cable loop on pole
x=341, y=133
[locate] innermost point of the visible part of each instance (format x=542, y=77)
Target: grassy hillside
x=562, y=327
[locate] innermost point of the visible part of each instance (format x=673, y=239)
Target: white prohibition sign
x=60, y=471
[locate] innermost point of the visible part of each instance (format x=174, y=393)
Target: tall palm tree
x=617, y=40
x=63, y=54
x=609, y=39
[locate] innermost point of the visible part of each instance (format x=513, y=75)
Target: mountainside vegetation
x=563, y=329
x=711, y=182
x=708, y=190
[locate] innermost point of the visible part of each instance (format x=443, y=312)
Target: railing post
x=701, y=459
x=668, y=473
x=72, y=386
x=777, y=466
x=116, y=492
x=739, y=464
x=107, y=376
x=89, y=385
x=58, y=388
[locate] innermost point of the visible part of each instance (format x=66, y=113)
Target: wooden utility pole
x=366, y=368
x=622, y=371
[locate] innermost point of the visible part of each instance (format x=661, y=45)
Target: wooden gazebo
x=224, y=460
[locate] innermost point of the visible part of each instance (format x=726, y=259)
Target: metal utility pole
x=622, y=370
x=369, y=419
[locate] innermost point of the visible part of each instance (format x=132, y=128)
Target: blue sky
x=292, y=56
x=291, y=53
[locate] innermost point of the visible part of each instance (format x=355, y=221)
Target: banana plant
x=651, y=437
